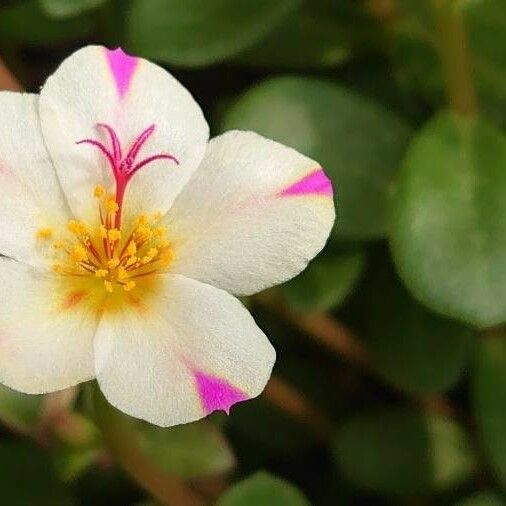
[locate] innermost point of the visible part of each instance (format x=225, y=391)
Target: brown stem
x=335, y=336
x=455, y=57
x=121, y=439
x=290, y=400
x=7, y=81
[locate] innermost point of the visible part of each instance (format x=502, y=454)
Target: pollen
x=99, y=191
x=113, y=256
x=44, y=234
x=111, y=205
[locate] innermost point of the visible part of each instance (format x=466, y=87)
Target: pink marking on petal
x=122, y=68
x=315, y=183
x=217, y=394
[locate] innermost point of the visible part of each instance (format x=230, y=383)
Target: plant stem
x=121, y=439
x=335, y=336
x=455, y=57
x=290, y=400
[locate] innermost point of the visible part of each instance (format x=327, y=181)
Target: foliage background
x=390, y=386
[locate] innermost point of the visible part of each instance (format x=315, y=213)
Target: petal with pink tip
x=96, y=86
x=217, y=394
x=253, y=215
x=315, y=183
x=171, y=362
x=122, y=68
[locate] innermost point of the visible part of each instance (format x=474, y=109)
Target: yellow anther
x=153, y=252
x=114, y=234
x=101, y=273
x=58, y=268
x=99, y=191
x=132, y=248
x=159, y=231
x=121, y=273
x=167, y=256
x=79, y=253
x=111, y=205
x=108, y=286
x=77, y=227
x=131, y=261
x=44, y=234
x=129, y=286
x=163, y=244
x=146, y=259
x=141, y=220
x=113, y=263
x=103, y=232
x=144, y=232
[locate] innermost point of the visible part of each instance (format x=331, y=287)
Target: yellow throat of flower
x=115, y=258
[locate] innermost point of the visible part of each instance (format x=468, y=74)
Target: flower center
x=115, y=258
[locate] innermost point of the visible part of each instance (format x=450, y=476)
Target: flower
x=125, y=232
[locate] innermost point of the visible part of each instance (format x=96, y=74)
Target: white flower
x=125, y=231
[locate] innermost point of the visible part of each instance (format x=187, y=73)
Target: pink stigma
x=125, y=167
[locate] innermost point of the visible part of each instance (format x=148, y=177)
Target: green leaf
x=483, y=499
x=489, y=401
x=414, y=42
x=262, y=489
x=359, y=143
x=69, y=8
x=401, y=452
x=189, y=451
x=326, y=282
x=448, y=238
x=411, y=347
x=310, y=38
x=24, y=22
x=19, y=411
x=202, y=32
x=27, y=478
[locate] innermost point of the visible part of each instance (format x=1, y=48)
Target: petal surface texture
x=100, y=86
x=31, y=195
x=179, y=356
x=46, y=333
x=252, y=216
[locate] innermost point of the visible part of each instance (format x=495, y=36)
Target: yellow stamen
x=99, y=191
x=129, y=286
x=108, y=286
x=101, y=273
x=112, y=206
x=44, y=234
x=132, y=248
x=79, y=253
x=113, y=263
x=114, y=234
x=103, y=232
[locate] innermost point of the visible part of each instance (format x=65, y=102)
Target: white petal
x=96, y=85
x=46, y=331
x=31, y=197
x=252, y=216
x=177, y=357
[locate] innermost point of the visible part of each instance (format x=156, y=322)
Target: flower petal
x=46, y=331
x=31, y=197
x=252, y=216
x=99, y=86
x=175, y=358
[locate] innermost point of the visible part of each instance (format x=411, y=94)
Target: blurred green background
x=390, y=385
